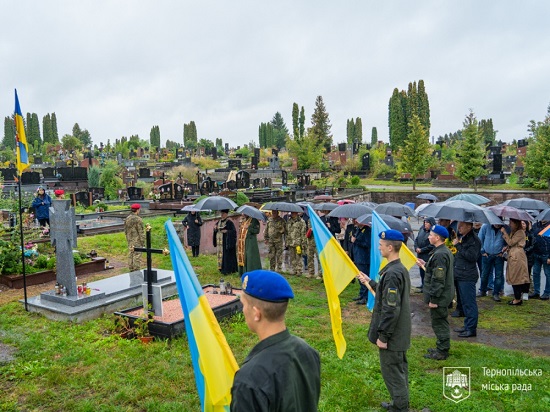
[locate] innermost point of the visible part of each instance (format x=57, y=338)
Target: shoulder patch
x=391, y=297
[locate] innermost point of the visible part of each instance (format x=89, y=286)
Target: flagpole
x=22, y=243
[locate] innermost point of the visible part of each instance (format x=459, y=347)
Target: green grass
x=87, y=367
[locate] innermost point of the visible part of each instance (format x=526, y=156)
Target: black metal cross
x=149, y=275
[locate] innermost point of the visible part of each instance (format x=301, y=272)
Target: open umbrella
x=216, y=203
x=510, y=212
x=372, y=205
x=323, y=197
x=427, y=196
x=345, y=201
x=461, y=211
x=353, y=210
x=394, y=209
x=526, y=203
x=392, y=222
x=471, y=198
x=420, y=208
x=251, y=212
x=283, y=207
x=193, y=208
x=543, y=216
x=325, y=206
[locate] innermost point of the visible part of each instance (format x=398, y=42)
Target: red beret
x=135, y=206
x=59, y=192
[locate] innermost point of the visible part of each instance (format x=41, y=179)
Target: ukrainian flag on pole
x=21, y=147
x=213, y=361
x=338, y=272
x=376, y=261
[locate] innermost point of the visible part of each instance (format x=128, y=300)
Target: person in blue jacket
x=41, y=205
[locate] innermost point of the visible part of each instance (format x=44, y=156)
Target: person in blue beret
x=439, y=290
x=282, y=372
x=390, y=327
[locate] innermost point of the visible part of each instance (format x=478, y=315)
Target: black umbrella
x=193, y=208
x=372, y=205
x=543, y=216
x=470, y=198
x=325, y=206
x=353, y=210
x=526, y=203
x=394, y=209
x=461, y=211
x=216, y=203
x=427, y=196
x=283, y=207
x=510, y=212
x=251, y=212
x=392, y=222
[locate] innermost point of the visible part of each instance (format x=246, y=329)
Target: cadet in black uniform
x=390, y=327
x=282, y=372
x=439, y=291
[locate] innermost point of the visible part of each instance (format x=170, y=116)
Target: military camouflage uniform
x=135, y=236
x=311, y=253
x=296, y=236
x=273, y=235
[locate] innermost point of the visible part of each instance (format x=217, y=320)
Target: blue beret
x=266, y=285
x=391, y=235
x=441, y=231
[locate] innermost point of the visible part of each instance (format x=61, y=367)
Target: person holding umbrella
x=248, y=252
x=423, y=247
x=466, y=276
x=541, y=251
x=192, y=225
x=516, y=270
x=225, y=240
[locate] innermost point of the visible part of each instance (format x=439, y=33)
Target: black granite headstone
x=178, y=191
x=48, y=172
x=234, y=163
x=242, y=179
x=134, y=193
x=166, y=192
x=144, y=172
x=84, y=198
x=30, y=178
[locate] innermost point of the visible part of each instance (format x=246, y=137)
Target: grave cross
x=149, y=275
x=63, y=237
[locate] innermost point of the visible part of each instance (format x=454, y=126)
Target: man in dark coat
x=466, y=275
x=541, y=253
x=439, y=290
x=192, y=225
x=282, y=372
x=225, y=240
x=390, y=327
x=361, y=245
x=422, y=245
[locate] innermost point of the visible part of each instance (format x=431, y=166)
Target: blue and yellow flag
x=213, y=361
x=22, y=150
x=376, y=261
x=338, y=272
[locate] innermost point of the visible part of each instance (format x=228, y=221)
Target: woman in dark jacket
x=41, y=205
x=192, y=225
x=422, y=245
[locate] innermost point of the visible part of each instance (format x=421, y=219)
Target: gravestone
x=242, y=180
x=8, y=174
x=48, y=172
x=30, y=178
x=98, y=193
x=284, y=177
x=166, y=191
x=144, y=172
x=63, y=237
x=178, y=191
x=234, y=163
x=84, y=198
x=37, y=160
x=134, y=193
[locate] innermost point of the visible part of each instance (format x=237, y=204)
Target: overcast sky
x=120, y=67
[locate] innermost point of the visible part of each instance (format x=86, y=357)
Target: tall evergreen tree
x=416, y=152
x=154, y=136
x=55, y=133
x=359, y=130
x=424, y=107
x=295, y=125
x=471, y=160
x=320, y=124
x=47, y=133
x=350, y=131
x=302, y=122
x=280, y=131
x=85, y=138
x=35, y=130
x=396, y=120
x=9, y=133
x=487, y=131
x=374, y=137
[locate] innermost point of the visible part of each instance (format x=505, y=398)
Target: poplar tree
x=9, y=133
x=424, y=107
x=295, y=124
x=55, y=134
x=47, y=133
x=416, y=157
x=302, y=122
x=537, y=162
x=359, y=130
x=374, y=137
x=350, y=131
x=396, y=120
x=154, y=136
x=471, y=160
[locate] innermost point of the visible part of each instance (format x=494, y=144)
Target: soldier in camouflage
x=311, y=251
x=273, y=236
x=295, y=240
x=135, y=236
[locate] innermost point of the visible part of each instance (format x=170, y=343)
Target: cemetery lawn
x=88, y=367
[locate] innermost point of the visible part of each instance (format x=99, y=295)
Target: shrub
x=41, y=262
x=77, y=259
x=51, y=263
